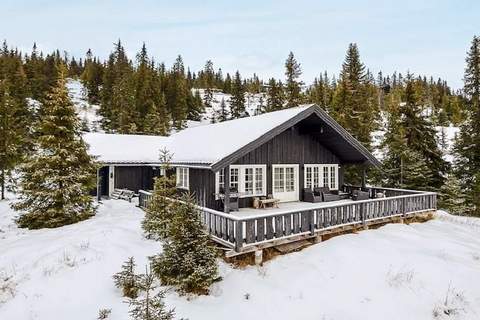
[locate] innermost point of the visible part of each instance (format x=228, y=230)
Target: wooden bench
x=123, y=194
x=127, y=195
x=265, y=202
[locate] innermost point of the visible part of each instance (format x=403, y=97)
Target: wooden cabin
x=273, y=155
x=291, y=159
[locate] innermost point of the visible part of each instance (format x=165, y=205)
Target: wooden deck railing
x=240, y=233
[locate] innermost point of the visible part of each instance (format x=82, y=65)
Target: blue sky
x=425, y=37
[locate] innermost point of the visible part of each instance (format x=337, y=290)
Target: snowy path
x=395, y=272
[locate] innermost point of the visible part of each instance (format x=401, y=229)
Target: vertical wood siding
x=134, y=177
x=289, y=147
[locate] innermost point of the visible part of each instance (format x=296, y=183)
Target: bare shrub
x=452, y=306
x=104, y=314
x=8, y=286
x=400, y=278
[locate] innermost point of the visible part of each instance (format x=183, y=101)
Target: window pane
x=258, y=180
x=333, y=176
x=234, y=178
x=290, y=179
x=308, y=175
x=316, y=176
x=325, y=176
x=248, y=180
x=278, y=179
x=221, y=181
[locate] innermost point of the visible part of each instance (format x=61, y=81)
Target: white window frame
x=320, y=170
x=183, y=178
x=241, y=180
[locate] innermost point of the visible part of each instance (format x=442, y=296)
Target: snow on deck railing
x=242, y=232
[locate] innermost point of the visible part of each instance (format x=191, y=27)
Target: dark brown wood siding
x=134, y=177
x=290, y=147
x=202, y=187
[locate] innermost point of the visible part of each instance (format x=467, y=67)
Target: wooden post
x=258, y=257
x=226, y=199
x=238, y=235
x=364, y=176
x=99, y=189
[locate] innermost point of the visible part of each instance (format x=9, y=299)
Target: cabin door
x=285, y=182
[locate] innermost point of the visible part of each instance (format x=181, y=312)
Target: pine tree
x=150, y=306
x=188, y=260
x=452, y=197
x=195, y=106
x=15, y=116
x=467, y=144
x=157, y=118
x=92, y=78
x=160, y=208
x=222, y=113
x=275, y=96
x=237, y=100
x=127, y=280
x=56, y=180
x=293, y=87
x=352, y=107
x=177, y=94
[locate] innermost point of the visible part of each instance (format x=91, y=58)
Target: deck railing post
x=312, y=221
x=238, y=235
x=363, y=213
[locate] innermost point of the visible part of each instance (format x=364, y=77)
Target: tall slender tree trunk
x=2, y=175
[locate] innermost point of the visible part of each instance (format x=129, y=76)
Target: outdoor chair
x=327, y=194
x=310, y=196
x=360, y=195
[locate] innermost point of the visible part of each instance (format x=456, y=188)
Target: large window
x=248, y=180
x=321, y=175
x=182, y=178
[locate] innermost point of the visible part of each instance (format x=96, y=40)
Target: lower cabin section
x=129, y=177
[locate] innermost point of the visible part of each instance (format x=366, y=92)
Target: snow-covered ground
x=87, y=112
x=395, y=272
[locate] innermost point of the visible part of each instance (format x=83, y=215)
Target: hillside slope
x=395, y=272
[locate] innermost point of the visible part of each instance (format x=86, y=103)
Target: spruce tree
x=188, y=261
x=150, y=306
x=91, y=78
x=15, y=116
x=351, y=105
x=293, y=87
x=221, y=114
x=452, y=197
x=467, y=144
x=177, y=94
x=159, y=212
x=127, y=280
x=56, y=180
x=237, y=100
x=275, y=96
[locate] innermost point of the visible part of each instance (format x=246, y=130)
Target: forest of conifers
x=142, y=95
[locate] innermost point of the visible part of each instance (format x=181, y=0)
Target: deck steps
x=292, y=246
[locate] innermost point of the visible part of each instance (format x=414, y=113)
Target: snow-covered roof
x=125, y=148
x=213, y=145
x=210, y=143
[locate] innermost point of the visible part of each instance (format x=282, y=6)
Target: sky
x=424, y=37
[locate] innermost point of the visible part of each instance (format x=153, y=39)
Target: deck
x=285, y=207
x=253, y=229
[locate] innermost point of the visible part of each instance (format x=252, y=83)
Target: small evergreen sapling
x=188, y=260
x=150, y=306
x=159, y=211
x=104, y=314
x=127, y=280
